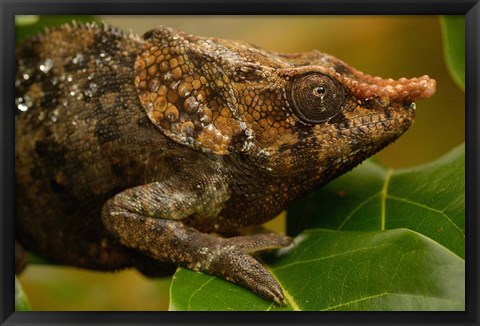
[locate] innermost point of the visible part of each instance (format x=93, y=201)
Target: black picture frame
x=469, y=8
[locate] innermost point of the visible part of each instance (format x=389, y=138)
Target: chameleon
x=173, y=149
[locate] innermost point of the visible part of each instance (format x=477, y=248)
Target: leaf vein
x=355, y=301
x=428, y=208
x=385, y=294
x=198, y=290
x=307, y=261
x=384, y=198
x=349, y=216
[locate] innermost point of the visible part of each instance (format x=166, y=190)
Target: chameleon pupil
x=319, y=91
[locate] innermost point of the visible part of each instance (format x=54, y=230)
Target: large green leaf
x=429, y=199
x=378, y=239
x=342, y=270
x=453, y=32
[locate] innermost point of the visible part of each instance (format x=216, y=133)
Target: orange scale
x=196, y=84
x=201, y=96
x=144, y=96
x=160, y=104
x=177, y=73
x=171, y=113
x=185, y=68
x=152, y=70
x=149, y=60
x=172, y=96
x=163, y=66
x=173, y=63
x=218, y=139
x=184, y=89
x=156, y=116
x=263, y=123
x=220, y=123
x=141, y=84
x=209, y=143
x=272, y=132
x=207, y=115
x=162, y=91
x=152, y=97
x=139, y=65
x=225, y=112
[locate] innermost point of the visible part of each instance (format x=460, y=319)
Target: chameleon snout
x=402, y=90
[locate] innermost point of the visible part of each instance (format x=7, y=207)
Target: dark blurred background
x=387, y=46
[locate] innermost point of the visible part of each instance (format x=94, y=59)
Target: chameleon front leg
x=149, y=218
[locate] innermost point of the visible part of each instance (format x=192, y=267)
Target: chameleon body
x=136, y=152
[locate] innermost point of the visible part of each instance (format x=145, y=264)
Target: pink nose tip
x=402, y=90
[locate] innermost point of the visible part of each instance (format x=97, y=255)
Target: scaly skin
x=131, y=151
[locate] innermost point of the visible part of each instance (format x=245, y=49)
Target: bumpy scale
x=131, y=151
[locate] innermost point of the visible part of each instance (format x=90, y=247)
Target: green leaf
x=28, y=25
x=453, y=32
x=21, y=301
x=429, y=199
x=377, y=239
x=342, y=270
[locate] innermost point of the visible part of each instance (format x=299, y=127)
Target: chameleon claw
x=275, y=293
x=230, y=259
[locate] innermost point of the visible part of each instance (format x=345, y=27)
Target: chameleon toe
x=258, y=242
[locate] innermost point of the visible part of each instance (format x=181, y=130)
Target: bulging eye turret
x=316, y=97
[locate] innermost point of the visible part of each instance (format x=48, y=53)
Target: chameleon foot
x=231, y=260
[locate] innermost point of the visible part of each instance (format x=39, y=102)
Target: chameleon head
x=287, y=114
x=342, y=115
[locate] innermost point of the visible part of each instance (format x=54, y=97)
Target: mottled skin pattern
x=131, y=151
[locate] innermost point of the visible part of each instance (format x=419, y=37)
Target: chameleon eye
x=316, y=97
